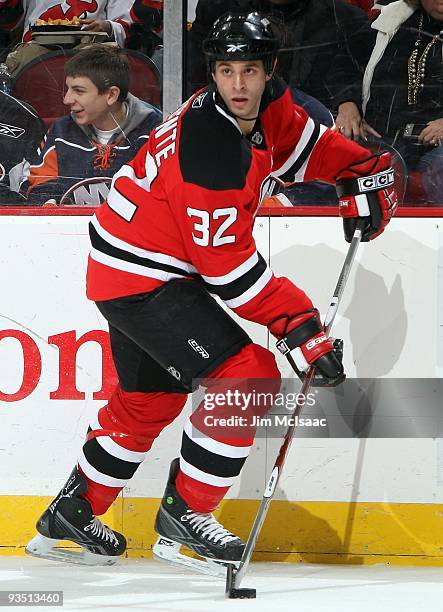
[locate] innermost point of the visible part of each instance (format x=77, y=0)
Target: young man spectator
x=177, y=227
x=105, y=129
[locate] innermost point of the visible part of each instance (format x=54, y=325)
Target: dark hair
x=104, y=66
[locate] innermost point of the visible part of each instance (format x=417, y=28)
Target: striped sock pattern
x=126, y=428
x=208, y=468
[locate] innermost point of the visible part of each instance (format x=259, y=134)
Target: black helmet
x=242, y=36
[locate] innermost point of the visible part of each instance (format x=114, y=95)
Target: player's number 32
x=204, y=234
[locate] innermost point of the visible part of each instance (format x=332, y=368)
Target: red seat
x=42, y=82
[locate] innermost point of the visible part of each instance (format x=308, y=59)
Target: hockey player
x=177, y=227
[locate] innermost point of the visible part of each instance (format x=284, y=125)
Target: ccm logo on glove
x=366, y=191
x=377, y=181
x=316, y=341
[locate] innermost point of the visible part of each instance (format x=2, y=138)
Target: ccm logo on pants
x=198, y=349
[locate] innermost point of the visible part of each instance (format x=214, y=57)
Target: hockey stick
x=235, y=575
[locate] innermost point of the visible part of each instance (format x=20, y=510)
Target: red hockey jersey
x=185, y=205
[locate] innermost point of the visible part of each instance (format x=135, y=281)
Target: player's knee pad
x=251, y=377
x=144, y=414
x=263, y=363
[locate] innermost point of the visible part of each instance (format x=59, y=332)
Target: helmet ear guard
x=240, y=37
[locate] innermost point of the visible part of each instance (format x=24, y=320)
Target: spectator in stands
x=402, y=90
x=318, y=41
x=95, y=15
x=4, y=45
x=366, y=5
x=11, y=11
x=105, y=129
x=147, y=26
x=10, y=14
x=379, y=4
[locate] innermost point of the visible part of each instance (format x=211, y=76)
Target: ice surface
x=155, y=587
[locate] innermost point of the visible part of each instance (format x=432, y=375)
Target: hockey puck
x=236, y=593
x=242, y=594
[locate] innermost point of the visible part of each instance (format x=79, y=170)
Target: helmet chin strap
x=244, y=118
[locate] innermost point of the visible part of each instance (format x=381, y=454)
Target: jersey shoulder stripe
x=303, y=152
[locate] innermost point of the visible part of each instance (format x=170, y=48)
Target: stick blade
x=231, y=591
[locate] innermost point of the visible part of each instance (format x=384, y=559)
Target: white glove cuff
x=299, y=359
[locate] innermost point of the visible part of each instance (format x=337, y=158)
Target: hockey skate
x=178, y=525
x=69, y=517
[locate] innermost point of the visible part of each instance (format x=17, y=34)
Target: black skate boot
x=69, y=517
x=178, y=525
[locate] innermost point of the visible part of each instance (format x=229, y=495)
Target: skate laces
x=209, y=527
x=103, y=532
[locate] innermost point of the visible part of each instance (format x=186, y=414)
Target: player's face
x=87, y=104
x=241, y=85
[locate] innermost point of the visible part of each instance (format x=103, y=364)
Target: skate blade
x=169, y=551
x=43, y=547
